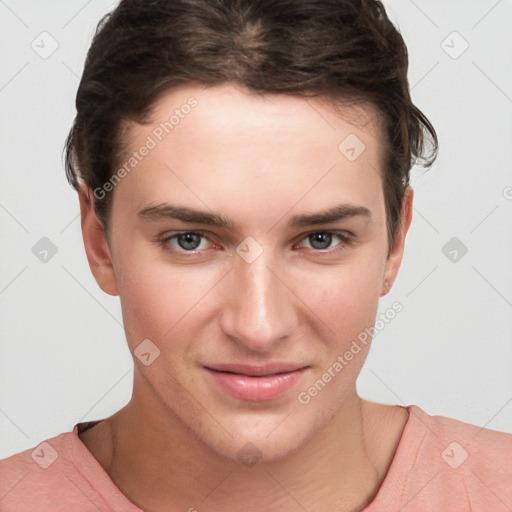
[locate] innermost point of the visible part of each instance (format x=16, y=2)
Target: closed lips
x=257, y=371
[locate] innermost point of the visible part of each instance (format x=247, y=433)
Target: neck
x=158, y=464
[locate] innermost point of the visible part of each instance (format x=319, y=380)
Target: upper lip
x=266, y=369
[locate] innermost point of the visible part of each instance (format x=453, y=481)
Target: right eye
x=183, y=241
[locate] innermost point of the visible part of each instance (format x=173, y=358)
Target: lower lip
x=256, y=389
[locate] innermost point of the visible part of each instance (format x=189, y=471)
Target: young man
x=243, y=171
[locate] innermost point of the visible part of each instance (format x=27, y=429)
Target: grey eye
x=189, y=241
x=320, y=241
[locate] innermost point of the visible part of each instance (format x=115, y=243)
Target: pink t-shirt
x=441, y=464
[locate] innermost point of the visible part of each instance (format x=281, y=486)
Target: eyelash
x=344, y=237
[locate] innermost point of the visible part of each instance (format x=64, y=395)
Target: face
x=274, y=286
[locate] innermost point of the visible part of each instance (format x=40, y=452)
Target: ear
x=397, y=251
x=95, y=243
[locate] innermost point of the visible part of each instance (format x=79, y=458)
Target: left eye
x=323, y=239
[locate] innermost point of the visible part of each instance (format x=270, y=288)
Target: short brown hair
x=345, y=50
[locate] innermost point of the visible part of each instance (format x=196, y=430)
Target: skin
x=257, y=160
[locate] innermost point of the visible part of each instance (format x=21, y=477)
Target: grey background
x=63, y=354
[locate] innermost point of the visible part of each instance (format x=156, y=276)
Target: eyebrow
x=186, y=214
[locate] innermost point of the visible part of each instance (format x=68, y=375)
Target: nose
x=260, y=309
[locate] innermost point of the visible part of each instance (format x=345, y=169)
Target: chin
x=252, y=448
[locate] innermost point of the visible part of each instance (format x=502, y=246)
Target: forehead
x=256, y=108
x=210, y=143
x=230, y=111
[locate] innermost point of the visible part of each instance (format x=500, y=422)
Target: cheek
x=347, y=305
x=159, y=299
x=347, y=293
